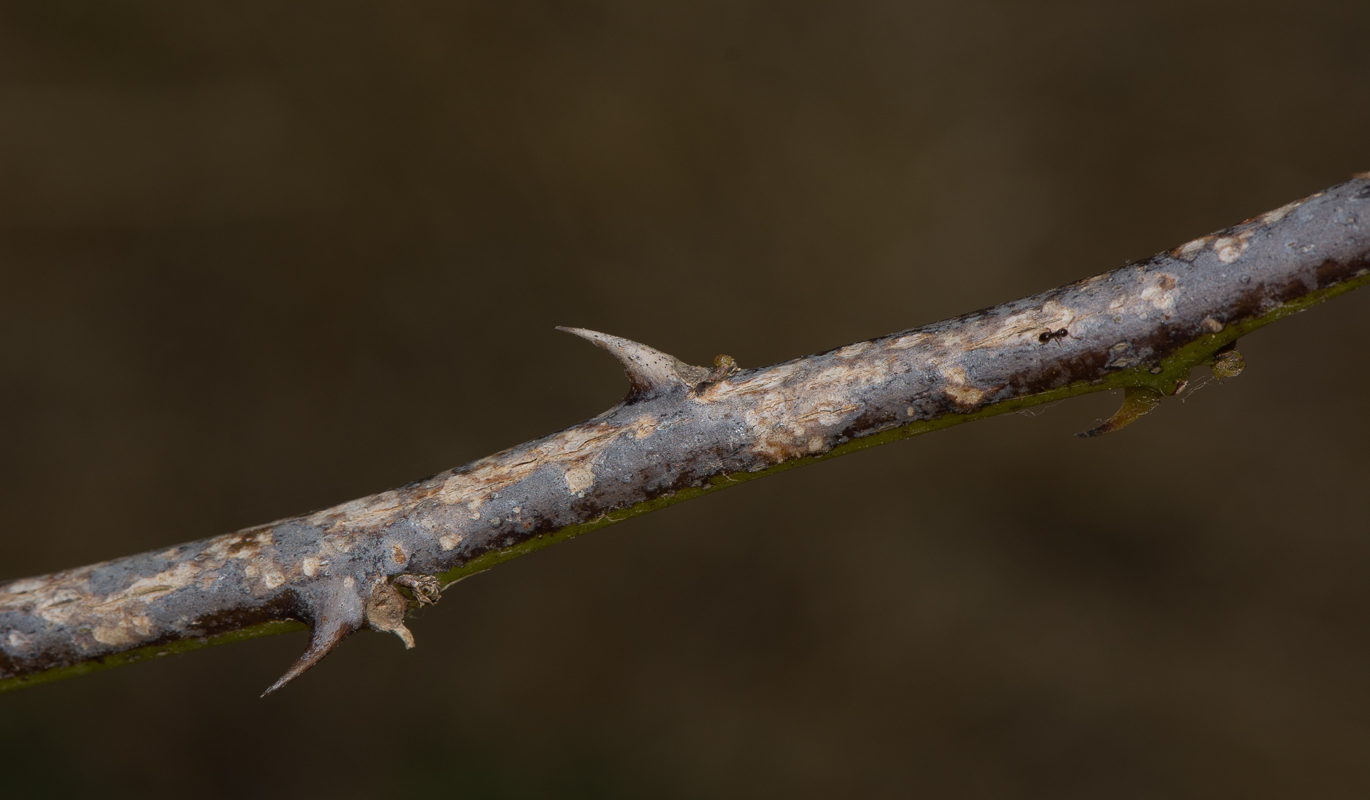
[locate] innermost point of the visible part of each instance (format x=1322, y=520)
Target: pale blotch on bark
x=958, y=390
x=1271, y=217
x=1230, y=248
x=853, y=350
x=908, y=341
x=579, y=479
x=1189, y=250
x=112, y=635
x=1161, y=293
x=643, y=427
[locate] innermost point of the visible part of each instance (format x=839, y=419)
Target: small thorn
x=334, y=612
x=327, y=634
x=651, y=372
x=1137, y=401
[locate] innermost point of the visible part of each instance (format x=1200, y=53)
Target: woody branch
x=685, y=430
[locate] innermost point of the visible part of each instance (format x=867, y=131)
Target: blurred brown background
x=261, y=258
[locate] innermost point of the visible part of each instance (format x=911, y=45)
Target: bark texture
x=683, y=430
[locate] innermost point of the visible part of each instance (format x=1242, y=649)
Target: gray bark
x=684, y=430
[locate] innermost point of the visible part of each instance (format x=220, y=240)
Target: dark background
x=261, y=258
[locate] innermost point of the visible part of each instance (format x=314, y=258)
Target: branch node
x=385, y=610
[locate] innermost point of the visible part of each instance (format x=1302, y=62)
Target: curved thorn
x=1137, y=401
x=651, y=372
x=334, y=610
x=327, y=634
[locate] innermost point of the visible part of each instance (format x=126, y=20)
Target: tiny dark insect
x=1046, y=336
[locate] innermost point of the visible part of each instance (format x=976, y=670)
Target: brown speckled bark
x=680, y=427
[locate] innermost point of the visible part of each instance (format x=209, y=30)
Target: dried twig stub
x=385, y=611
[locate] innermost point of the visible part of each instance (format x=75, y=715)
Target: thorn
x=327, y=634
x=651, y=372
x=337, y=614
x=1137, y=401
